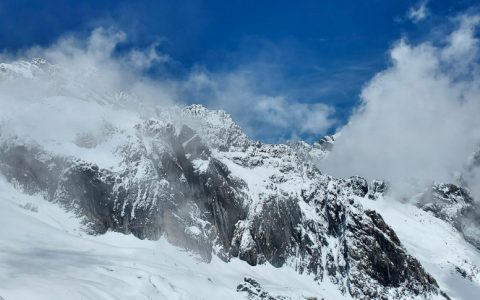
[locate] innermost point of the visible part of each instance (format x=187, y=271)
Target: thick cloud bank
x=420, y=118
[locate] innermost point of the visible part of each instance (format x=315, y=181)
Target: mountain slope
x=46, y=255
x=259, y=203
x=190, y=176
x=440, y=248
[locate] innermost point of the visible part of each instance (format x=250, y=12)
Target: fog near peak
x=92, y=72
x=419, y=118
x=91, y=65
x=56, y=96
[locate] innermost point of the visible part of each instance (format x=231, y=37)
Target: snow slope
x=45, y=255
x=192, y=175
x=440, y=248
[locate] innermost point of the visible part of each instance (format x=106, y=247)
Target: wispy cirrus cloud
x=418, y=12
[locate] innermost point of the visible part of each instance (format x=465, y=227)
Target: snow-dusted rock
x=213, y=191
x=455, y=205
x=191, y=175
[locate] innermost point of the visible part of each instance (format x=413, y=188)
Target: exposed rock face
x=214, y=191
x=382, y=261
x=326, y=142
x=456, y=206
x=315, y=152
x=255, y=291
x=156, y=193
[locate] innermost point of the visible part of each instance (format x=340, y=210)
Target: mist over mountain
x=113, y=186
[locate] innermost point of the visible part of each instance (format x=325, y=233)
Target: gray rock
x=172, y=185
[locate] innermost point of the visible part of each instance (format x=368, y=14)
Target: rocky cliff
x=214, y=191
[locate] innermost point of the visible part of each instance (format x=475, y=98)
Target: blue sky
x=309, y=52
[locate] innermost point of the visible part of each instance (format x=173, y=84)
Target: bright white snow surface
x=45, y=255
x=436, y=244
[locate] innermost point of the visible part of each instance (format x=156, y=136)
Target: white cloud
x=82, y=86
x=90, y=71
x=419, y=119
x=298, y=118
x=418, y=12
x=261, y=114
x=144, y=60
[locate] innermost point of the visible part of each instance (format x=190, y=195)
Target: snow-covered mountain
x=101, y=200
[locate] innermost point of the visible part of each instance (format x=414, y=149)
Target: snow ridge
x=190, y=176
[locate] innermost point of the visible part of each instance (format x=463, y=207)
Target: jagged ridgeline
x=192, y=176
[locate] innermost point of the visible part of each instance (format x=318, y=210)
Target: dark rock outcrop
x=255, y=291
x=174, y=184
